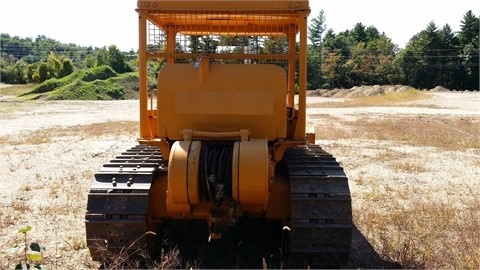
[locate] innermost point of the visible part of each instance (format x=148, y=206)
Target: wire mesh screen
x=226, y=38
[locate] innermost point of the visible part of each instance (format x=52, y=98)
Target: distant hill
x=99, y=83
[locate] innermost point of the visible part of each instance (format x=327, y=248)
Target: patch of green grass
x=48, y=86
x=98, y=73
x=99, y=83
x=80, y=90
x=128, y=83
x=16, y=89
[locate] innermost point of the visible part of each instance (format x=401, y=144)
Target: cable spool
x=216, y=172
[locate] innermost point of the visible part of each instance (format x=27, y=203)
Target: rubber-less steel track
x=321, y=212
x=117, y=205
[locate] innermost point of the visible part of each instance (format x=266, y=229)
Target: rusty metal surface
x=321, y=212
x=115, y=220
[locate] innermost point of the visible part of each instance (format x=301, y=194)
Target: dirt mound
x=356, y=91
x=439, y=89
x=367, y=90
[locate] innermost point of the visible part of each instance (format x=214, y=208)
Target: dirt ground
x=47, y=169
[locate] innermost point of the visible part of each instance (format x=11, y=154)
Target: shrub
x=98, y=73
x=116, y=92
x=32, y=254
x=48, y=86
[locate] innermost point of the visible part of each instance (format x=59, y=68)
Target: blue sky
x=106, y=22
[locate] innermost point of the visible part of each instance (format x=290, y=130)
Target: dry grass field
x=414, y=173
x=413, y=162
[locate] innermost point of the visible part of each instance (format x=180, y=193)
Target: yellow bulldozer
x=223, y=137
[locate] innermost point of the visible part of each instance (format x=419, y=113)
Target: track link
x=115, y=219
x=321, y=212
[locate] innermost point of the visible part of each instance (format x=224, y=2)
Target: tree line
x=361, y=55
x=27, y=60
x=434, y=56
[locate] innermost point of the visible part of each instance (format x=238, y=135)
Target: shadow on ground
x=249, y=245
x=253, y=243
x=363, y=255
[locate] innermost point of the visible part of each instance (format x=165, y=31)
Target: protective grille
x=226, y=38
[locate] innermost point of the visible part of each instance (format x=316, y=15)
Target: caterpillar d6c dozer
x=223, y=141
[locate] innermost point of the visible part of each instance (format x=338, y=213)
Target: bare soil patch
x=51, y=149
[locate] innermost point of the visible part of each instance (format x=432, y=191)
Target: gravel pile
x=367, y=90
